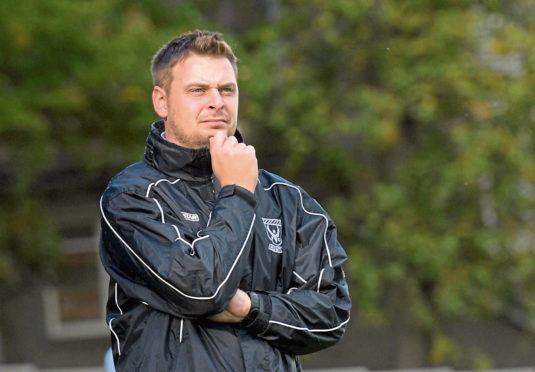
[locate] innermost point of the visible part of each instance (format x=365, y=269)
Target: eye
x=228, y=91
x=196, y=90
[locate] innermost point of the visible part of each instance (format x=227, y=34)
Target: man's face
x=202, y=100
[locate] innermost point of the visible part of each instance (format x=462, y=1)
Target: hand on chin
x=212, y=131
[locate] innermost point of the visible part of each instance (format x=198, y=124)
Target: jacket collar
x=177, y=161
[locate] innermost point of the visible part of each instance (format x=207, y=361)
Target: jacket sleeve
x=313, y=314
x=154, y=262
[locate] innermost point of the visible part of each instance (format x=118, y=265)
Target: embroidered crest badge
x=274, y=233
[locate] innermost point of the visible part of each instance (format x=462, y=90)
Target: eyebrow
x=205, y=85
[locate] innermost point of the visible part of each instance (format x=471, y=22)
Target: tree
x=75, y=96
x=412, y=121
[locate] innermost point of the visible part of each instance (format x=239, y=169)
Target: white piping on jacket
x=299, y=277
x=116, y=301
x=207, y=224
x=321, y=273
x=163, y=280
x=209, y=219
x=161, y=210
x=157, y=182
x=116, y=337
x=308, y=329
x=319, y=280
x=192, y=252
x=311, y=213
x=181, y=326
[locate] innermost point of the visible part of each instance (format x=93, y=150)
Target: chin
x=226, y=131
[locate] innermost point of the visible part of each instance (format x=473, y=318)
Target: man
x=214, y=265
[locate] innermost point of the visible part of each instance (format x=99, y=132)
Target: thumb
x=217, y=140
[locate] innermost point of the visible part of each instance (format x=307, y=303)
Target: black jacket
x=177, y=247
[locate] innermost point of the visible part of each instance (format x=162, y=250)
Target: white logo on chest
x=274, y=233
x=190, y=216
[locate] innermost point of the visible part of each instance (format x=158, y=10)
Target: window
x=75, y=307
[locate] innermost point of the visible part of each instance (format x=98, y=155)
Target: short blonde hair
x=197, y=42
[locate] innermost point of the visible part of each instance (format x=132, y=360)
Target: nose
x=215, y=100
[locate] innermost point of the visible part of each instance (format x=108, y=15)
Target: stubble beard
x=195, y=141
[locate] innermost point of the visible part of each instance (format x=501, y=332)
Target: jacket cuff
x=257, y=320
x=239, y=191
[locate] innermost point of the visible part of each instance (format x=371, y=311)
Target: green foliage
x=412, y=122
x=75, y=93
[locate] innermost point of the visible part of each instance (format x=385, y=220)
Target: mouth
x=215, y=122
x=214, y=119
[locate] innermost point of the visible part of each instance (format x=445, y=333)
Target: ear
x=159, y=101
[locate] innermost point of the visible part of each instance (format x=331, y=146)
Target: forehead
x=204, y=69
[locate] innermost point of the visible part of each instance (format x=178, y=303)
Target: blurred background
x=412, y=122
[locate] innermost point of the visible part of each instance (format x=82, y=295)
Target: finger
x=231, y=141
x=217, y=140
